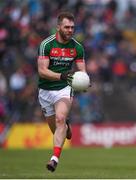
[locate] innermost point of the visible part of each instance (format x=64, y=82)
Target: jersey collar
x=57, y=36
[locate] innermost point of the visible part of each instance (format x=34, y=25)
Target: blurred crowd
x=106, y=28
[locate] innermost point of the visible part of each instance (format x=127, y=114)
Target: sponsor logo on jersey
x=63, y=52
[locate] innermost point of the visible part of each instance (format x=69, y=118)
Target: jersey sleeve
x=80, y=54
x=43, y=50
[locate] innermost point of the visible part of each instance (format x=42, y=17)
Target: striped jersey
x=61, y=58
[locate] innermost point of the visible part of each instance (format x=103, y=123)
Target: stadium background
x=106, y=114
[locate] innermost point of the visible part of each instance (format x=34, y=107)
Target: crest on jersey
x=72, y=52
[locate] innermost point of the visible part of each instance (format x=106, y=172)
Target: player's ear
x=58, y=27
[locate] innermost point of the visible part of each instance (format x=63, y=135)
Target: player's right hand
x=67, y=77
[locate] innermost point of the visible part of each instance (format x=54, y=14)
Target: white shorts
x=48, y=98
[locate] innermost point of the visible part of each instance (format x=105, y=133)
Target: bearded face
x=66, y=29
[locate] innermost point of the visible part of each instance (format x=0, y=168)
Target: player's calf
x=69, y=131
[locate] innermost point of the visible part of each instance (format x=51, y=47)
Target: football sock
x=57, y=151
x=55, y=159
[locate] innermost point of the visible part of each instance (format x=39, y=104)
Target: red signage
x=2, y=126
x=106, y=135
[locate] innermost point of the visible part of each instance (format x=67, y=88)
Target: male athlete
x=57, y=54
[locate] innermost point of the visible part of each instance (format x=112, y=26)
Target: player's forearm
x=48, y=74
x=81, y=66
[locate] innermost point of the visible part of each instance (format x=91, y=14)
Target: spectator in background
x=17, y=81
x=3, y=85
x=3, y=92
x=119, y=69
x=105, y=73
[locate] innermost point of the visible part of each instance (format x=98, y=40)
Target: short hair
x=65, y=14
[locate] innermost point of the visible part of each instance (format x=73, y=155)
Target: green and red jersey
x=61, y=58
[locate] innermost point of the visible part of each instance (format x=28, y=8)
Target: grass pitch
x=76, y=163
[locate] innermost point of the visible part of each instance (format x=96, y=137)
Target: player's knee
x=60, y=120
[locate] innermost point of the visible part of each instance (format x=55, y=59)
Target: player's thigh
x=46, y=102
x=62, y=107
x=51, y=122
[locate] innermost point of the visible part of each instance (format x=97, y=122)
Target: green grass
x=92, y=163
